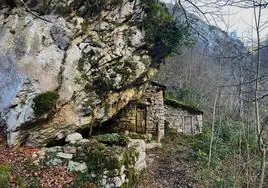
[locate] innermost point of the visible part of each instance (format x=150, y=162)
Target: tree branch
x=34, y=14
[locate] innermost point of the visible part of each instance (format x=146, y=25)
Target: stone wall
x=153, y=101
x=155, y=110
x=175, y=117
x=103, y=165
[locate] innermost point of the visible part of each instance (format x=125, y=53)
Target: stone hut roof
x=177, y=104
x=163, y=87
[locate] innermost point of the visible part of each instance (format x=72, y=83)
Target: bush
x=43, y=103
x=162, y=33
x=5, y=170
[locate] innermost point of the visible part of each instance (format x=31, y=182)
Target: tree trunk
x=213, y=127
x=263, y=167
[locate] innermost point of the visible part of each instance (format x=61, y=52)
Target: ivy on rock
x=44, y=102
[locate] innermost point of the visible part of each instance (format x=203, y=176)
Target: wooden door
x=141, y=120
x=188, y=124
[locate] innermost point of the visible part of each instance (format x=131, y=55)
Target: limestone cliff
x=65, y=65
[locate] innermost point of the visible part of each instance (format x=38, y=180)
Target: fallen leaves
x=26, y=172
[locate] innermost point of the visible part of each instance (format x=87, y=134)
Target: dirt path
x=169, y=168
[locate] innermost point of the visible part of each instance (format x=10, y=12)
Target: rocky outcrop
x=83, y=67
x=103, y=165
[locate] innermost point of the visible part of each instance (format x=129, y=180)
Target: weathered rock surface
x=73, y=137
x=96, y=66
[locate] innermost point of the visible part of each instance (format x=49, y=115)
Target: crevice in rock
x=62, y=68
x=60, y=142
x=85, y=132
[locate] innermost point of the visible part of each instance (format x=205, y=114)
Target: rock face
x=91, y=60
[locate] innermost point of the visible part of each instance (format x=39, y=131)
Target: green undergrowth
x=229, y=149
x=44, y=102
x=173, y=138
x=162, y=32
x=223, y=171
x=5, y=170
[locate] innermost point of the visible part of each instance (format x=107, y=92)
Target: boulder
x=65, y=155
x=77, y=167
x=73, y=137
x=140, y=147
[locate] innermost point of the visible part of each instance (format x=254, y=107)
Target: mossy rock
x=112, y=139
x=102, y=158
x=43, y=103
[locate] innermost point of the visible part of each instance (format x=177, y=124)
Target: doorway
x=188, y=124
x=141, y=119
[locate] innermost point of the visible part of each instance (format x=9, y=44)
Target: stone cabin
x=183, y=118
x=151, y=112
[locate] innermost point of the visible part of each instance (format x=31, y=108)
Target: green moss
x=5, y=170
x=85, y=25
x=81, y=63
x=100, y=158
x=43, y=103
x=112, y=139
x=20, y=181
x=103, y=84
